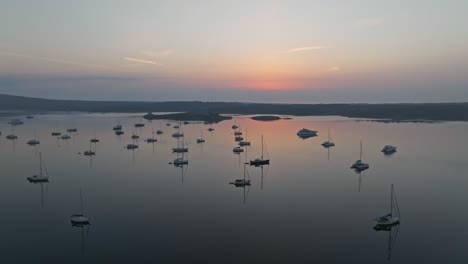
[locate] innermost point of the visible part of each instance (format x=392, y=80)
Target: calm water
x=306, y=207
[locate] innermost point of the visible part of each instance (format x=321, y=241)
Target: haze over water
x=307, y=207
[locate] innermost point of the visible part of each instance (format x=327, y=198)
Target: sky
x=290, y=51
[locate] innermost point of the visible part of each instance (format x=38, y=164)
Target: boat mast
x=262, y=147
x=81, y=202
x=360, y=154
x=40, y=164
x=244, y=172
x=391, y=201
x=329, y=135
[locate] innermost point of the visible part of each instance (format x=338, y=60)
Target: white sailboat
x=391, y=219
x=80, y=218
x=244, y=181
x=261, y=160
x=41, y=177
x=328, y=143
x=359, y=165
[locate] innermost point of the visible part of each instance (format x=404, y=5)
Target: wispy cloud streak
x=142, y=61
x=305, y=49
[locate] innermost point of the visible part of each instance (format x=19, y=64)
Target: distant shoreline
x=420, y=112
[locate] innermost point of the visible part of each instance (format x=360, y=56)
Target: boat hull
x=259, y=162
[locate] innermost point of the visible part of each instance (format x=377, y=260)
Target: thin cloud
x=305, y=49
x=334, y=69
x=157, y=54
x=369, y=22
x=142, y=61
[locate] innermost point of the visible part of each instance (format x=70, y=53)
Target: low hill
x=399, y=112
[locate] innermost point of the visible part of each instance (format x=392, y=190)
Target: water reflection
x=304, y=189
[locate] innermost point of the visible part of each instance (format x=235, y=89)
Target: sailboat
x=235, y=126
x=328, y=143
x=41, y=177
x=139, y=124
x=211, y=128
x=117, y=127
x=73, y=129
x=15, y=122
x=244, y=142
x=237, y=150
x=133, y=145
x=391, y=219
x=34, y=141
x=201, y=139
x=180, y=149
x=261, y=160
x=244, y=181
x=135, y=136
x=177, y=134
x=65, y=137
x=80, y=218
x=89, y=152
x=151, y=139
x=359, y=165
x=56, y=133
x=95, y=139
x=180, y=161
x=12, y=136
x=159, y=132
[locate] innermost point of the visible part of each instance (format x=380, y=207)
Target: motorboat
x=305, y=133
x=389, y=149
